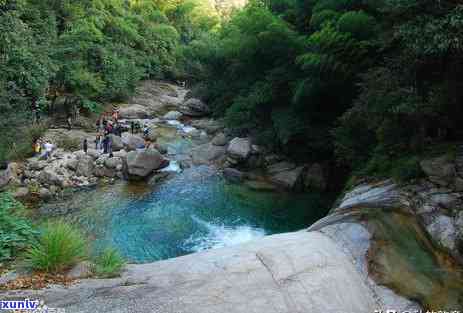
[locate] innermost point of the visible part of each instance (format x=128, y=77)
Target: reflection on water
x=193, y=211
x=403, y=258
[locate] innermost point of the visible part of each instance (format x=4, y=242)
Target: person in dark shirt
x=85, y=146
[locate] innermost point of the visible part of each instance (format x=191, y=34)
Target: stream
x=193, y=210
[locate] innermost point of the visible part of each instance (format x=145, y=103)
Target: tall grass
x=59, y=247
x=109, y=264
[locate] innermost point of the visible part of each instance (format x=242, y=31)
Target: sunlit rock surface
x=294, y=272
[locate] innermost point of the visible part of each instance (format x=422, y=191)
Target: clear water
x=194, y=210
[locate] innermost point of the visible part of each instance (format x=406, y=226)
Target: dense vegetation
x=16, y=232
x=69, y=55
x=358, y=81
x=53, y=247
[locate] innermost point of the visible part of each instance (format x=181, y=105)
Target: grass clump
x=59, y=247
x=16, y=231
x=109, y=264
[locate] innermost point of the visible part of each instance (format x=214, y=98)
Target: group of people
x=106, y=125
x=43, y=149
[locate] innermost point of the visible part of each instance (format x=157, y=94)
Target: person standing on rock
x=48, y=149
x=146, y=131
x=85, y=146
x=69, y=122
x=37, y=147
x=105, y=144
x=118, y=129
x=98, y=142
x=109, y=128
x=132, y=127
x=147, y=143
x=110, y=146
x=98, y=124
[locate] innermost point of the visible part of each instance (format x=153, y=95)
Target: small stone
x=21, y=192
x=81, y=270
x=45, y=194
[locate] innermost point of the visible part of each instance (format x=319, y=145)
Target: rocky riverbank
x=168, y=113
x=378, y=249
x=383, y=246
x=371, y=253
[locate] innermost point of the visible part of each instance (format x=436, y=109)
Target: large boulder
x=71, y=164
x=94, y=154
x=291, y=179
x=132, y=142
x=85, y=166
x=48, y=176
x=239, y=149
x=117, y=143
x=134, y=111
x=113, y=163
x=207, y=153
x=103, y=171
x=440, y=170
x=143, y=163
x=195, y=108
x=285, y=273
x=315, y=178
x=172, y=115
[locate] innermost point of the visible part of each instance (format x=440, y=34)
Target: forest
x=367, y=85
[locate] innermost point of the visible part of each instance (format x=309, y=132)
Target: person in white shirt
x=48, y=149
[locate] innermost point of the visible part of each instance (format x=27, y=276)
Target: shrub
x=407, y=169
x=16, y=232
x=321, y=18
x=59, y=247
x=358, y=23
x=109, y=264
x=401, y=169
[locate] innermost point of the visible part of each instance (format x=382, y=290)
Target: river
x=193, y=210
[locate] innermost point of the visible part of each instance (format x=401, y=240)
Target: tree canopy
x=317, y=79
